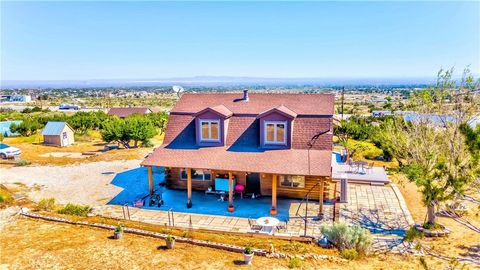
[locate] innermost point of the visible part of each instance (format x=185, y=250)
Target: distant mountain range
x=211, y=81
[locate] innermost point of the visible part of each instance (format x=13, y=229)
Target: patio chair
x=369, y=167
x=253, y=225
x=351, y=164
x=282, y=226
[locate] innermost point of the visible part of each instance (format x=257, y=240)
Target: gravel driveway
x=87, y=183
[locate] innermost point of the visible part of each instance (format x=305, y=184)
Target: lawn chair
x=254, y=226
x=282, y=226
x=351, y=165
x=369, y=167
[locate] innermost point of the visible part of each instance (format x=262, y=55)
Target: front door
x=64, y=139
x=253, y=183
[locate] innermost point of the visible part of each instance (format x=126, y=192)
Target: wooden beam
x=273, y=210
x=231, y=208
x=189, y=187
x=150, y=180
x=320, y=199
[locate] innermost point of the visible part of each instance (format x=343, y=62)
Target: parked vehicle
x=7, y=151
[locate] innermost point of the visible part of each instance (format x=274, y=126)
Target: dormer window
x=275, y=132
x=210, y=130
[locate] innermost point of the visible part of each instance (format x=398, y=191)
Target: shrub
x=412, y=234
x=343, y=237
x=170, y=238
x=349, y=254
x=119, y=229
x=430, y=226
x=294, y=262
x=248, y=250
x=46, y=204
x=74, y=209
x=21, y=163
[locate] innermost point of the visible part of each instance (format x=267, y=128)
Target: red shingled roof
x=302, y=104
x=124, y=112
x=288, y=161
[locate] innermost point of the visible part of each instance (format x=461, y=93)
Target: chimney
x=245, y=95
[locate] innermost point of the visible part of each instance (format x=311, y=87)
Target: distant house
x=58, y=134
x=381, y=113
x=124, y=112
x=5, y=128
x=15, y=98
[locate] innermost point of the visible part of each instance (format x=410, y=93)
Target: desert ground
x=34, y=244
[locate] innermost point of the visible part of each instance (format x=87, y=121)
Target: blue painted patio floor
x=135, y=185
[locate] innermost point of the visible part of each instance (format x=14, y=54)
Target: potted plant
x=170, y=241
x=248, y=255
x=118, y=233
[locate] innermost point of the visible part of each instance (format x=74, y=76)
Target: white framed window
x=275, y=132
x=209, y=130
x=197, y=175
x=294, y=181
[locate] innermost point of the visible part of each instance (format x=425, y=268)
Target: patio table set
x=267, y=225
x=360, y=166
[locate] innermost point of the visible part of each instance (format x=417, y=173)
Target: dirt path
x=87, y=183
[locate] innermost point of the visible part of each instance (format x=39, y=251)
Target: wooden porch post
x=231, y=208
x=273, y=210
x=320, y=199
x=150, y=180
x=189, y=187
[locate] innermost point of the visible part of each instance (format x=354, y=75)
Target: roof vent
x=245, y=95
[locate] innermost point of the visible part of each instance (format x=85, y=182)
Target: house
x=58, y=134
x=124, y=112
x=16, y=98
x=381, y=113
x=271, y=144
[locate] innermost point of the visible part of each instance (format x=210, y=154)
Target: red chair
x=239, y=188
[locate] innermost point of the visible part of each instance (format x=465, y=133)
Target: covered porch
x=227, y=193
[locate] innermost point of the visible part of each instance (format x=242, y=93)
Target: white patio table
x=268, y=224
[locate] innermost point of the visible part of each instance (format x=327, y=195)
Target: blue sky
x=132, y=40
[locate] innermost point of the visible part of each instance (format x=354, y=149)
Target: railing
x=305, y=199
x=171, y=219
x=126, y=211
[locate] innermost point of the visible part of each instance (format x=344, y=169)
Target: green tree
x=26, y=127
x=139, y=129
x=159, y=120
x=134, y=128
x=438, y=158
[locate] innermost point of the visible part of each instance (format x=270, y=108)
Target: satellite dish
x=178, y=89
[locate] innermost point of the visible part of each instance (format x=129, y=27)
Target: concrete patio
x=373, y=176
x=381, y=209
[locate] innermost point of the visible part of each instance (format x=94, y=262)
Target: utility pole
x=343, y=96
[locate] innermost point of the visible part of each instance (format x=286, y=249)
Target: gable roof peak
x=218, y=109
x=282, y=109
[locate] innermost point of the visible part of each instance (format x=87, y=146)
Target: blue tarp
x=5, y=128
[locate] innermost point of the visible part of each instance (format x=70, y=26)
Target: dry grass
x=462, y=241
x=47, y=245
x=38, y=154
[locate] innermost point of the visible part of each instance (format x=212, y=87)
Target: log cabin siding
x=292, y=192
x=174, y=181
